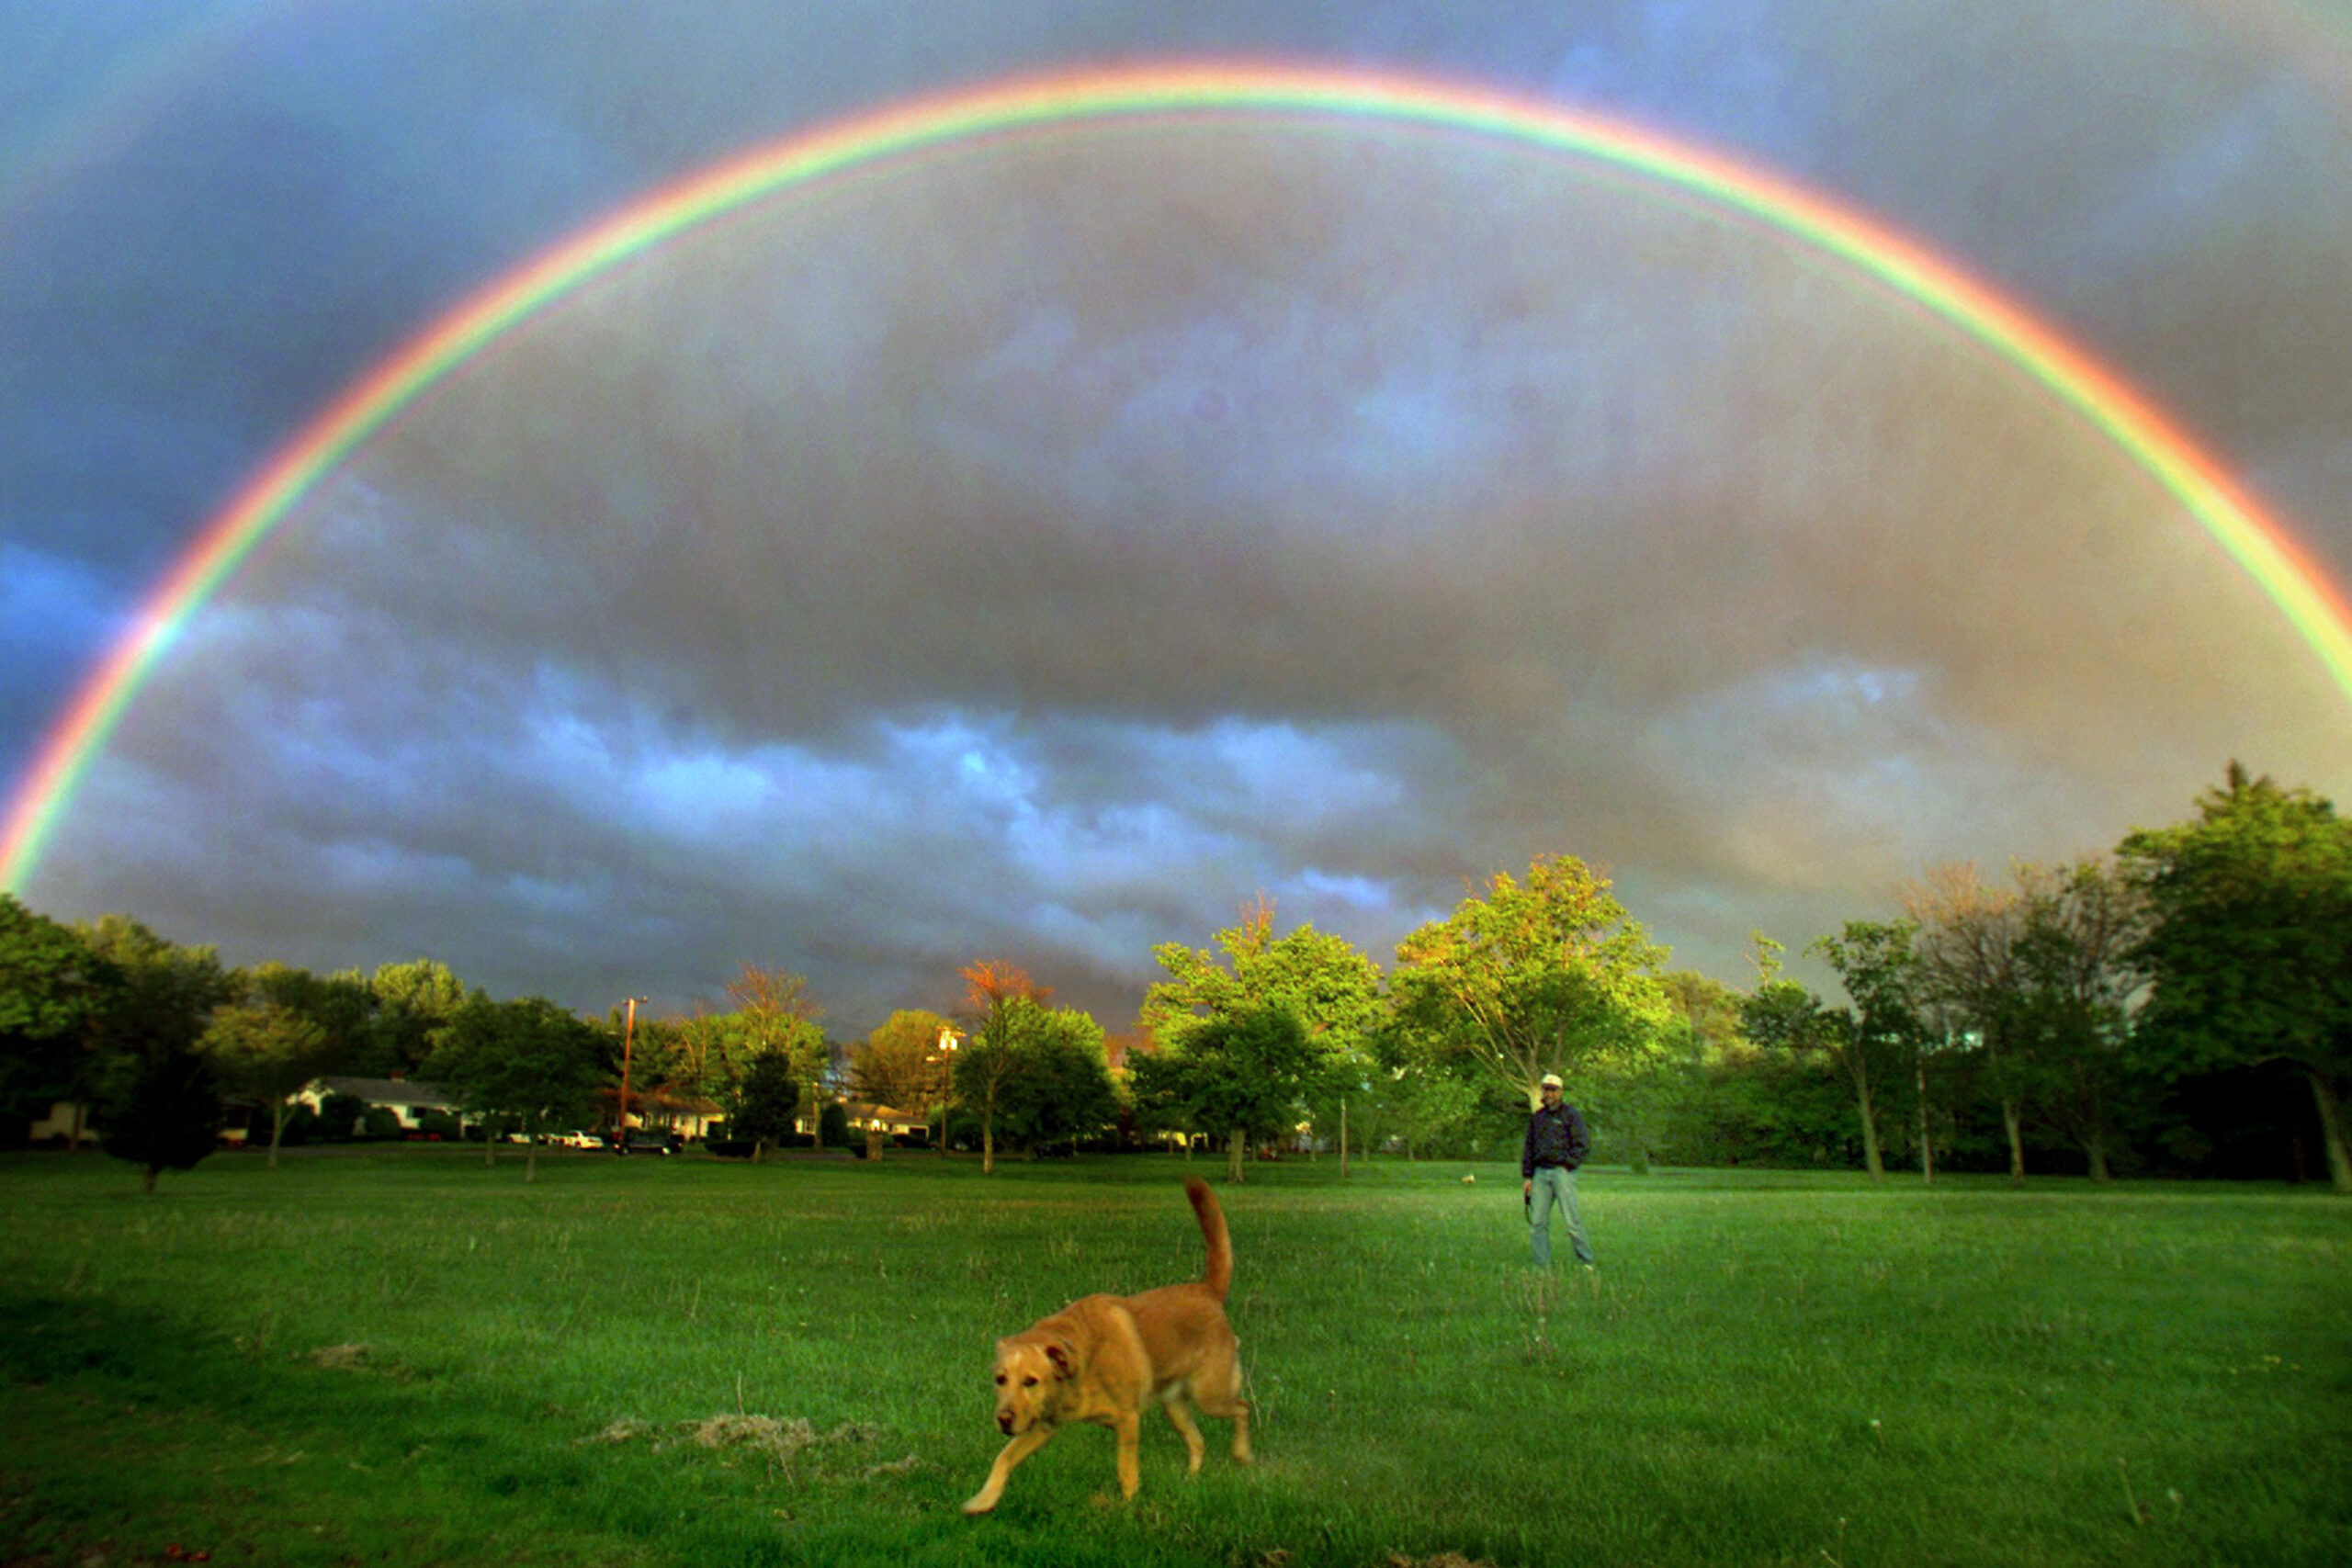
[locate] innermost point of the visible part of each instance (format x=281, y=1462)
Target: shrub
x=339, y=1116
x=379, y=1121
x=832, y=1124
x=439, y=1125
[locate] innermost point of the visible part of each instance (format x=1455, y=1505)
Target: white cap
x=1552, y=1080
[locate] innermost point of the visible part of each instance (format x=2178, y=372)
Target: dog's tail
x=1212, y=1218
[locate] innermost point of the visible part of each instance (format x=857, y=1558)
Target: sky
x=1043, y=547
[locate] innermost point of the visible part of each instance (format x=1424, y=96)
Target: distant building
x=406, y=1099
x=58, y=1128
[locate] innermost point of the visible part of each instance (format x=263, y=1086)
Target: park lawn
x=394, y=1356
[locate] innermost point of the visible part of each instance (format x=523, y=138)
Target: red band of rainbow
x=2255, y=541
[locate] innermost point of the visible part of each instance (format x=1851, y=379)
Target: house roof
x=390, y=1091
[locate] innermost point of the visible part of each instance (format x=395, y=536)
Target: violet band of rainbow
x=2257, y=542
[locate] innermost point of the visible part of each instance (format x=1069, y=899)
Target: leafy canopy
x=1548, y=975
x=2249, y=944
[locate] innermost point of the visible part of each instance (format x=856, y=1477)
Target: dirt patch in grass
x=780, y=1439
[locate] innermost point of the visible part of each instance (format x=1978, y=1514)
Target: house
x=689, y=1116
x=887, y=1119
x=406, y=1099
x=66, y=1119
x=69, y=1122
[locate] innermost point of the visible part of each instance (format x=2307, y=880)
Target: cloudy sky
x=1042, y=546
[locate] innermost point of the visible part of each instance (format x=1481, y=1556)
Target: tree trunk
x=530, y=1163
x=73, y=1138
x=2330, y=1127
x=988, y=1142
x=153, y=1171
x=1233, y=1157
x=1343, y=1139
x=489, y=1147
x=1869, y=1123
x=276, y=1129
x=1871, y=1117
x=2096, y=1147
x=1927, y=1149
x=2015, y=1120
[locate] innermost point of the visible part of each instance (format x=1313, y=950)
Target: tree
x=906, y=1064
x=159, y=1104
x=763, y=1104
x=2077, y=984
x=54, y=988
x=1061, y=1091
x=1245, y=1076
x=1424, y=1107
x=1881, y=1034
x=407, y=1003
x=1669, y=1105
x=777, y=1015
x=2248, y=947
x=261, y=1047
x=1868, y=1039
x=1000, y=1005
x=527, y=1059
x=1546, y=976
x=1323, y=980
x=159, y=1109
x=340, y=1115
x=1967, y=947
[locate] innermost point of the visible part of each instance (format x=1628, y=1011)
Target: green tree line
x=2182, y=1004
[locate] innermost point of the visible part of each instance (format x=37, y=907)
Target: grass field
x=396, y=1356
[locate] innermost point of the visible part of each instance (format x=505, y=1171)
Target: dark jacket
x=1556, y=1136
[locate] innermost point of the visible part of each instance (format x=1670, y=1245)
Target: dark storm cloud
x=1058, y=588
x=1040, y=552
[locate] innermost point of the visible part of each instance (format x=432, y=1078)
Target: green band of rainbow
x=2258, y=543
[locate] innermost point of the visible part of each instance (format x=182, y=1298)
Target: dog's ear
x=1058, y=1353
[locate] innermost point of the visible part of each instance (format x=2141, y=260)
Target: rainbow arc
x=2258, y=543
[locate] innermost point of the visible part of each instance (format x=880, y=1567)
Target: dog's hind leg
x=1173, y=1403
x=1217, y=1392
x=1012, y=1453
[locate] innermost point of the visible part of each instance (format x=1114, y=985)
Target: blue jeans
x=1554, y=1185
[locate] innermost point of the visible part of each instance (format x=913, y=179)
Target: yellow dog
x=1103, y=1359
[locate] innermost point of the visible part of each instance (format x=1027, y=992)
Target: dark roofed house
x=405, y=1098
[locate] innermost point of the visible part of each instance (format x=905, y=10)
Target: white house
x=404, y=1097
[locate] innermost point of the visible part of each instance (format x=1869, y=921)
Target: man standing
x=1557, y=1143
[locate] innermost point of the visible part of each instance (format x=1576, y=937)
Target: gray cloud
x=1040, y=550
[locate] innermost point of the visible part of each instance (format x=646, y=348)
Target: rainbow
x=2257, y=542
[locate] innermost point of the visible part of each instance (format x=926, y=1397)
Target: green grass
x=1770, y=1368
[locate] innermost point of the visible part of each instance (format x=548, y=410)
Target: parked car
x=578, y=1141
x=646, y=1140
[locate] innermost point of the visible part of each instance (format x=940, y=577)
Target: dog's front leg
x=1129, y=1428
x=1012, y=1453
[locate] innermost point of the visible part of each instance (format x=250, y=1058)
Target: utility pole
x=629, y=1036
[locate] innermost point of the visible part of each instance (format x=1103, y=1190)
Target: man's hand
x=1527, y=1188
